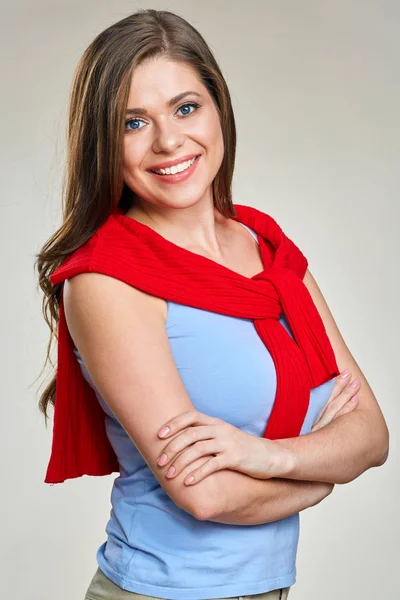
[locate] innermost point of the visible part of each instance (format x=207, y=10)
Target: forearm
x=340, y=451
x=250, y=501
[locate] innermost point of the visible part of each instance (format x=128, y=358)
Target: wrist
x=285, y=460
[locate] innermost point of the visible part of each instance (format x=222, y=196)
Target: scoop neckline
x=124, y=220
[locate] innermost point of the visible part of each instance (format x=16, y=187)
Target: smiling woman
x=173, y=131
x=175, y=306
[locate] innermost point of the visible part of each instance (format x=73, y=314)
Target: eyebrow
x=174, y=100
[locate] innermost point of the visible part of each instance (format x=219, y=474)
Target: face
x=187, y=128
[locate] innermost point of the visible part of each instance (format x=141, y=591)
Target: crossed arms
x=337, y=453
x=119, y=329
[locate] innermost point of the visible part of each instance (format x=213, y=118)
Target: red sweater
x=134, y=253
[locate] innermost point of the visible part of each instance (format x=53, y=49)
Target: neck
x=200, y=226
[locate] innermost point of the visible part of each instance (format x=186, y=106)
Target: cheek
x=132, y=155
x=215, y=134
x=217, y=141
x=210, y=131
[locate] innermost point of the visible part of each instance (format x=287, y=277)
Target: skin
x=235, y=449
x=184, y=214
x=337, y=452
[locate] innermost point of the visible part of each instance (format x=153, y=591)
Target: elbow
x=203, y=515
x=376, y=444
x=196, y=507
x=382, y=456
x=197, y=510
x=203, y=512
x=203, y=499
x=200, y=505
x=381, y=448
x=377, y=453
x=207, y=507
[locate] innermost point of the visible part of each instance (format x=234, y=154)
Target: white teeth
x=176, y=168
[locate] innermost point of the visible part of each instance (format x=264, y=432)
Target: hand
x=342, y=400
x=229, y=447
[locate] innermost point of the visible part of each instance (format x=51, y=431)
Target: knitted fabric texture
x=130, y=251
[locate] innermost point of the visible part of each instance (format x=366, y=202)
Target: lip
x=178, y=177
x=172, y=163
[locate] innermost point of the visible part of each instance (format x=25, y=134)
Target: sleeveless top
x=155, y=548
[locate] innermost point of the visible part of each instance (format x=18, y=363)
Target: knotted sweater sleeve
x=297, y=261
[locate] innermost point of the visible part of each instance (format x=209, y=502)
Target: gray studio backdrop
x=315, y=89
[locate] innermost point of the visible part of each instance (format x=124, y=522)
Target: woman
x=148, y=219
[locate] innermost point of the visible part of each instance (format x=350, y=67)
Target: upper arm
x=121, y=335
x=344, y=358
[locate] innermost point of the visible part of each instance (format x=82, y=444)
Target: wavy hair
x=93, y=183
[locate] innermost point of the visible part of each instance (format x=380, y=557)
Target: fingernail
x=170, y=471
x=163, y=459
x=164, y=431
x=354, y=384
x=345, y=373
x=189, y=480
x=353, y=399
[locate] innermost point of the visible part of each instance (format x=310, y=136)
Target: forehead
x=157, y=80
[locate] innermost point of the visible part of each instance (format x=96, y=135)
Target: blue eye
x=188, y=104
x=194, y=104
x=132, y=121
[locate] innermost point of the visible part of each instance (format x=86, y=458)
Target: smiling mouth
x=168, y=171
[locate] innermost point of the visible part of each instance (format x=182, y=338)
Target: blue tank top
x=155, y=548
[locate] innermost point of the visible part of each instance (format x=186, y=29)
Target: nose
x=168, y=137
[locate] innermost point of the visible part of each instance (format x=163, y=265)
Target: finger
x=340, y=383
x=191, y=454
x=183, y=440
x=185, y=419
x=348, y=407
x=211, y=466
x=333, y=407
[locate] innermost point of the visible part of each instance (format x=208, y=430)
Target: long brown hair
x=93, y=183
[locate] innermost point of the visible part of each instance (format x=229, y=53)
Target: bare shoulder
x=85, y=285
x=121, y=335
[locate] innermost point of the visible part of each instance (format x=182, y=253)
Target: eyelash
x=194, y=104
